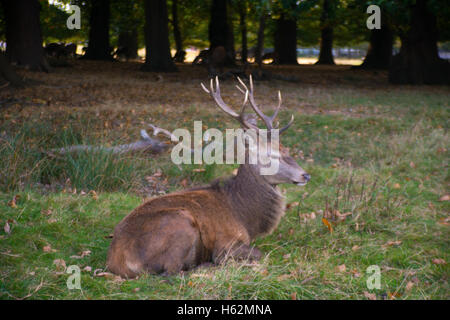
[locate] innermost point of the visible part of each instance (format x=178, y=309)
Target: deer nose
x=307, y=177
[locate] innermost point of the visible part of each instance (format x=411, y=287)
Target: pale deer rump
x=179, y=231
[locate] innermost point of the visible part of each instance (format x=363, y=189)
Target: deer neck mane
x=256, y=203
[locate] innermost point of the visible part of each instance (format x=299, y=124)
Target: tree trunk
x=23, y=34
x=218, y=25
x=326, y=41
x=179, y=55
x=129, y=40
x=7, y=72
x=260, y=40
x=243, y=27
x=157, y=53
x=98, y=47
x=379, y=53
x=286, y=40
x=418, y=61
x=229, y=47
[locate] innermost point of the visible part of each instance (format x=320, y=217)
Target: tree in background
x=379, y=53
x=157, y=56
x=287, y=14
x=285, y=36
x=230, y=46
x=179, y=55
x=242, y=6
x=23, y=34
x=99, y=47
x=418, y=61
x=126, y=19
x=262, y=10
x=326, y=29
x=220, y=31
x=8, y=73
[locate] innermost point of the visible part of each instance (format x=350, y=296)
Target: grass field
x=375, y=151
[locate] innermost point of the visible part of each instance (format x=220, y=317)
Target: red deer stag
x=179, y=231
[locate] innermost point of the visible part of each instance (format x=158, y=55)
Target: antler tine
x=275, y=114
x=287, y=126
x=204, y=88
x=215, y=94
x=267, y=120
x=244, y=103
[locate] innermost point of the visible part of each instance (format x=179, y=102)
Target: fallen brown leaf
x=93, y=194
x=328, y=224
x=60, y=264
x=107, y=275
x=47, y=212
x=445, y=197
x=370, y=296
x=283, y=277
x=342, y=216
x=13, y=202
x=307, y=280
x=355, y=273
x=7, y=228
x=439, y=261
x=445, y=221
x=394, y=295
x=85, y=253
x=409, y=286
x=292, y=205
x=391, y=243
x=82, y=255
x=341, y=268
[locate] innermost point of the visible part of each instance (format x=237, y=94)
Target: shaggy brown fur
x=181, y=230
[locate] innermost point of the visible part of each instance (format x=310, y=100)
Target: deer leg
x=239, y=251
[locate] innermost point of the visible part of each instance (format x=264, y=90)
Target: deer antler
x=215, y=94
x=248, y=93
x=268, y=121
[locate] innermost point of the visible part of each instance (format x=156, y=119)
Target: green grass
x=388, y=170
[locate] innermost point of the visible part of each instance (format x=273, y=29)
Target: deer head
x=288, y=171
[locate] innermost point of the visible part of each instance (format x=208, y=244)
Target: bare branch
x=146, y=143
x=167, y=133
